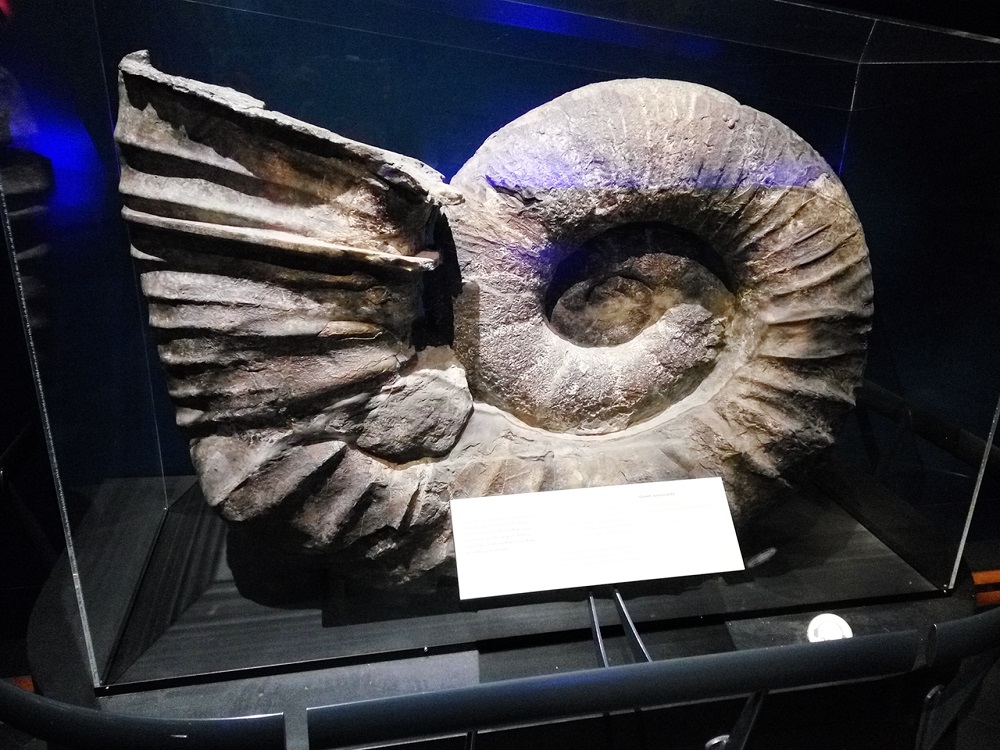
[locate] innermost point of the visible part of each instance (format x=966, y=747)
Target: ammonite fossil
x=646, y=281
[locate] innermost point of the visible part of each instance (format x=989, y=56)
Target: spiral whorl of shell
x=656, y=283
x=713, y=271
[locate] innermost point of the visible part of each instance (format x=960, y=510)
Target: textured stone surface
x=680, y=290
x=417, y=415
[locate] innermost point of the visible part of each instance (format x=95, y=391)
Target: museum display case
x=165, y=595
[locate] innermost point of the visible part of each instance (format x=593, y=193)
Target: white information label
x=540, y=541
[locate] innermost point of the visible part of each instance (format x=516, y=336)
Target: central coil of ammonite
x=630, y=247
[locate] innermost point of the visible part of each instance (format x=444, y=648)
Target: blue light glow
x=567, y=23
x=548, y=174
x=76, y=166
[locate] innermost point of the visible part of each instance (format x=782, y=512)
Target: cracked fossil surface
x=640, y=280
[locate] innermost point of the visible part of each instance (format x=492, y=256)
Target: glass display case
x=169, y=596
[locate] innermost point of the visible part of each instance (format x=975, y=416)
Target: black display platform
x=181, y=640
x=823, y=557
x=167, y=612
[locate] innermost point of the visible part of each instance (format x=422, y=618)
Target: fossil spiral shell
x=748, y=235
x=656, y=283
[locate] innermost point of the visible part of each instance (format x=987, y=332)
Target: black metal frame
x=751, y=672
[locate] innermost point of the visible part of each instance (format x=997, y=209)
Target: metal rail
x=595, y=691
x=86, y=728
x=525, y=700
